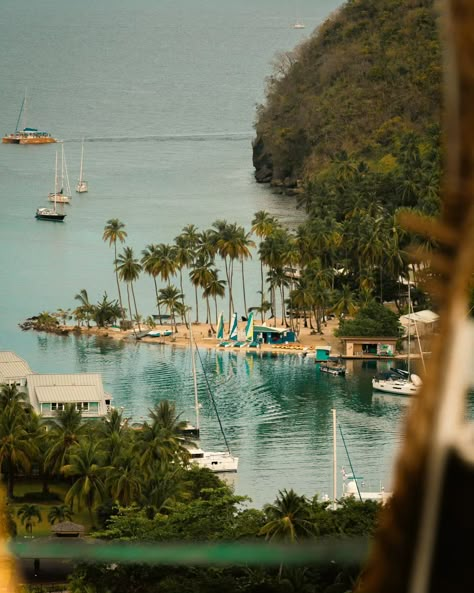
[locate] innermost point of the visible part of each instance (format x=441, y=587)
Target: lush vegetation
x=137, y=484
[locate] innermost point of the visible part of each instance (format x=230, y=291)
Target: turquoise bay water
x=164, y=94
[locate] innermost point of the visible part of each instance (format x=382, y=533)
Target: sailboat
x=62, y=192
x=81, y=186
x=27, y=135
x=248, y=333
x=51, y=213
x=216, y=461
x=232, y=333
x=298, y=25
x=399, y=381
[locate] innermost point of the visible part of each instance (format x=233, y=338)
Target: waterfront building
x=369, y=346
x=49, y=393
x=273, y=335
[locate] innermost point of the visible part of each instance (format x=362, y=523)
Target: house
x=368, y=346
x=420, y=322
x=13, y=369
x=263, y=334
x=48, y=394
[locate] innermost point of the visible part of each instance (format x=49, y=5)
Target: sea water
x=164, y=95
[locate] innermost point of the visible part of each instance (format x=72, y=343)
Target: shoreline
x=308, y=339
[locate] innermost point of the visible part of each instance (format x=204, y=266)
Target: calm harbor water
x=164, y=95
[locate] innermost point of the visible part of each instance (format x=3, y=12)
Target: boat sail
x=216, y=461
x=220, y=327
x=51, y=213
x=27, y=135
x=82, y=185
x=62, y=192
x=399, y=381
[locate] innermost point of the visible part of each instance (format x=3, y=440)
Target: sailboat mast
x=56, y=181
x=21, y=113
x=82, y=158
x=193, y=361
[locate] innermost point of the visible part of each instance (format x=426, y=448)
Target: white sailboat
x=52, y=213
x=398, y=381
x=82, y=186
x=62, y=193
x=216, y=461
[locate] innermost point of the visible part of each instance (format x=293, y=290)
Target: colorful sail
x=233, y=328
x=249, y=328
x=220, y=327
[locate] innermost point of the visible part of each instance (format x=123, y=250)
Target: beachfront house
x=368, y=347
x=263, y=334
x=422, y=323
x=13, y=370
x=49, y=394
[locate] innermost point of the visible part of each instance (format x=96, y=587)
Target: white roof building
x=13, y=369
x=50, y=393
x=426, y=322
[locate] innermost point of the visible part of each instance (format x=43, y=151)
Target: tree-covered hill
x=362, y=88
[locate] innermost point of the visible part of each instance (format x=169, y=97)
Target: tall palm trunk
x=157, y=299
x=243, y=284
x=136, y=310
x=130, y=307
x=197, y=304
x=117, y=279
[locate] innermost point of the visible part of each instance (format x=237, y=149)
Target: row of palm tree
x=30, y=515
x=363, y=255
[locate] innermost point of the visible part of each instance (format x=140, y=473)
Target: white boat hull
x=82, y=187
x=59, y=198
x=218, y=462
x=395, y=386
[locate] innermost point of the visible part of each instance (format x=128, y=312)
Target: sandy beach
x=308, y=339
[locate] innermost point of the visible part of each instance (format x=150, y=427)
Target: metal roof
x=12, y=366
x=425, y=316
x=68, y=394
x=270, y=330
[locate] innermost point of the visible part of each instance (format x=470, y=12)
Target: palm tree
x=60, y=513
x=345, y=303
x=113, y=232
x=86, y=307
x=84, y=465
x=171, y=298
x=288, y=518
x=28, y=514
x=149, y=263
x=17, y=447
x=11, y=396
x=263, y=225
x=245, y=242
x=64, y=432
x=161, y=442
x=201, y=275
x=129, y=271
x=215, y=288
x=124, y=481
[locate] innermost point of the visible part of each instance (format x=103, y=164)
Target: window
x=82, y=406
x=60, y=407
x=54, y=407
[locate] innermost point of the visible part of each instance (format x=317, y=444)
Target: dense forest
x=364, y=90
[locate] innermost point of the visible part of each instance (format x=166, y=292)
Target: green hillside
x=363, y=93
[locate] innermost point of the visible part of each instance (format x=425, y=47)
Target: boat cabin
x=322, y=353
x=369, y=347
x=263, y=334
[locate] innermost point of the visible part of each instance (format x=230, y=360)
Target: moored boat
x=49, y=214
x=27, y=135
x=332, y=369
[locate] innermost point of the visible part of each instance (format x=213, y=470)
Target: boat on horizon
x=82, y=185
x=27, y=135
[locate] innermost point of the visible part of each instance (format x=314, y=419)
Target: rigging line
x=212, y=397
x=350, y=463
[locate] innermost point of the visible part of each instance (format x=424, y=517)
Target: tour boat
x=27, y=135
x=332, y=369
